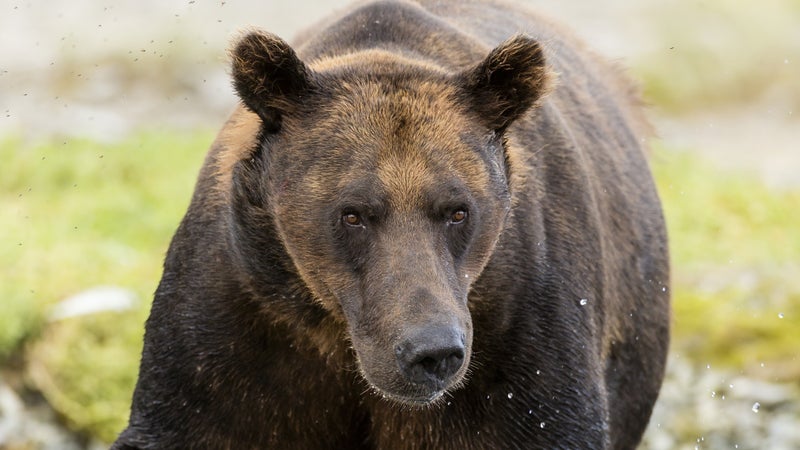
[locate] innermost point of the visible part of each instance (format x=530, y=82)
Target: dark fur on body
x=274, y=325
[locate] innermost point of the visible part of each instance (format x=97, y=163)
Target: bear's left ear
x=507, y=83
x=269, y=77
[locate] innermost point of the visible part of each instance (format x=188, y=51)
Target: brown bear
x=431, y=227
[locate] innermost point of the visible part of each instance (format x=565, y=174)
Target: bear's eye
x=352, y=220
x=458, y=216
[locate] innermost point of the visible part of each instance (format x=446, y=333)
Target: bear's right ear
x=268, y=76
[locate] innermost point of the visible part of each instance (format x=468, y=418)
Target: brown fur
x=389, y=243
x=235, y=142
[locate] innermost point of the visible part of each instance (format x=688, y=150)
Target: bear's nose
x=432, y=355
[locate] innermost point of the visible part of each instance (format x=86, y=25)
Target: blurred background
x=107, y=108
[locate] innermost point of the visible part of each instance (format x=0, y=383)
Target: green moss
x=739, y=328
x=736, y=282
x=79, y=214
x=86, y=367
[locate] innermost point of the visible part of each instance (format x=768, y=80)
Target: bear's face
x=389, y=216
x=387, y=183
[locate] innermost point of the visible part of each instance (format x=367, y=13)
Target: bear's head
x=386, y=182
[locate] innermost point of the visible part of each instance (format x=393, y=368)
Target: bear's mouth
x=420, y=400
x=396, y=388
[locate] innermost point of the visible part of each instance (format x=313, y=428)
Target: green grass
x=725, y=218
x=78, y=214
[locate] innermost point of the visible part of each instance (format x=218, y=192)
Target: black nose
x=432, y=355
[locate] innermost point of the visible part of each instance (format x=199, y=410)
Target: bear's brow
x=363, y=194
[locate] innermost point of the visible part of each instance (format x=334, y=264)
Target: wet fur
x=246, y=348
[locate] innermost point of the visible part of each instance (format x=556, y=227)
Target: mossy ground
x=736, y=265
x=78, y=214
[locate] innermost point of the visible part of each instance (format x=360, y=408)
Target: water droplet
x=708, y=366
x=487, y=397
x=756, y=407
x=786, y=61
x=664, y=289
x=730, y=386
x=466, y=275
x=762, y=364
x=541, y=424
x=530, y=411
x=510, y=395
x=584, y=302
x=713, y=394
x=538, y=372
x=780, y=315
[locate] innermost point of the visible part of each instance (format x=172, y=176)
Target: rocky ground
x=27, y=422
x=701, y=407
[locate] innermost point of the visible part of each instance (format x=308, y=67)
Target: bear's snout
x=430, y=356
